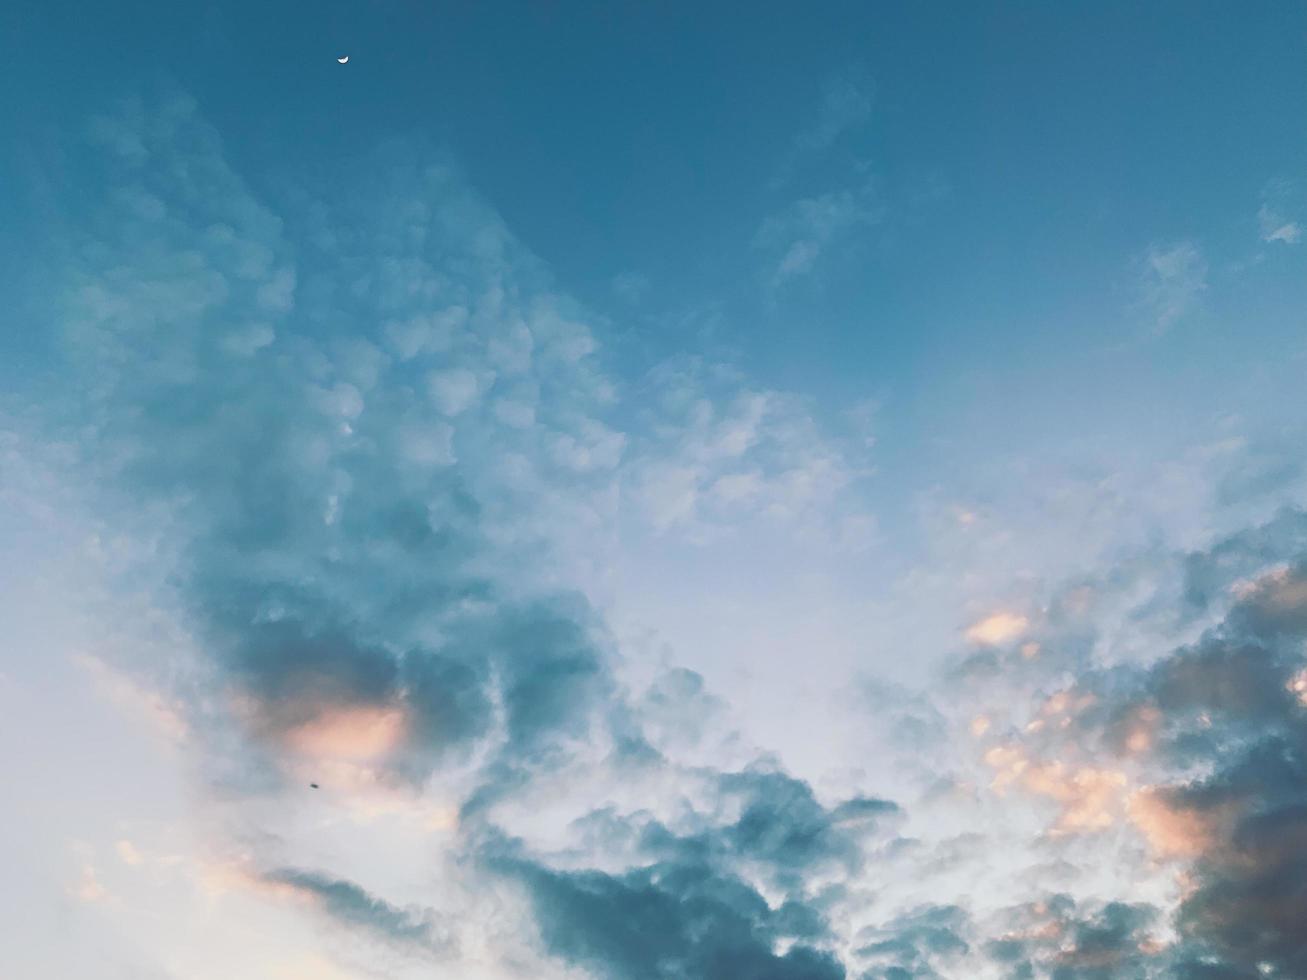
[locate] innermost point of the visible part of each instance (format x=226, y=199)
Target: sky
x=653, y=491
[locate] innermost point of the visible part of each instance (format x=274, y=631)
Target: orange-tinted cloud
x=996, y=629
x=1090, y=797
x=353, y=733
x=1172, y=831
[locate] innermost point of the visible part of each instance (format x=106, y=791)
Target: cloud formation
x=845, y=105
x=1280, y=199
x=1173, y=281
x=806, y=229
x=366, y=431
x=354, y=422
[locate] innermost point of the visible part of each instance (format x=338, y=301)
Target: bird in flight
x=313, y=785
x=343, y=60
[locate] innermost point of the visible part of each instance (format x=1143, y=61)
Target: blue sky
x=796, y=494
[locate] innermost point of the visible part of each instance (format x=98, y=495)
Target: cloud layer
x=377, y=455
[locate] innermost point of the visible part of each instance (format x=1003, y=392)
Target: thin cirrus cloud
x=798, y=234
x=1173, y=281
x=1275, y=221
x=846, y=103
x=803, y=232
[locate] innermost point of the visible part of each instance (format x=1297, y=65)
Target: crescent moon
x=343, y=60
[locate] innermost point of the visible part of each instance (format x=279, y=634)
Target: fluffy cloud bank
x=367, y=438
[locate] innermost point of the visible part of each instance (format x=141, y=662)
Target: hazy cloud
x=1276, y=222
x=1173, y=281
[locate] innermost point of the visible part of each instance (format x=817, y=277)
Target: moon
x=343, y=60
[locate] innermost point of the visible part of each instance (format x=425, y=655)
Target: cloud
x=716, y=455
x=1276, y=228
x=135, y=699
x=677, y=920
x=997, y=628
x=690, y=909
x=845, y=105
x=917, y=943
x=357, y=422
x=797, y=237
x=340, y=576
x=1279, y=199
x=1218, y=782
x=364, y=428
x=843, y=108
x=89, y=888
x=800, y=235
x=1173, y=281
x=1061, y=939
x=349, y=905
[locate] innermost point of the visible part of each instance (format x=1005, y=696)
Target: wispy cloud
x=352, y=906
x=845, y=106
x=797, y=235
x=800, y=235
x=1173, y=281
x=1275, y=222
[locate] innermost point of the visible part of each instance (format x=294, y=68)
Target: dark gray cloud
x=691, y=902
x=670, y=920
x=686, y=915
x=350, y=905
x=1209, y=573
x=687, y=908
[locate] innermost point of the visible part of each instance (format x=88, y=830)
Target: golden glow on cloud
x=88, y=888
x=1048, y=930
x=1090, y=797
x=1056, y=704
x=1279, y=589
x=1009, y=761
x=127, y=852
x=1298, y=686
x=378, y=802
x=996, y=629
x=358, y=734
x=1142, y=729
x=1171, y=831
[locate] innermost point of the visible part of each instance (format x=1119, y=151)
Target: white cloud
x=1275, y=224
x=455, y=390
x=718, y=455
x=425, y=333
x=1276, y=227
